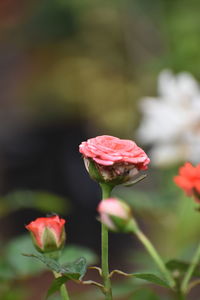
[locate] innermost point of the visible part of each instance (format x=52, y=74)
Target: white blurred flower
x=171, y=122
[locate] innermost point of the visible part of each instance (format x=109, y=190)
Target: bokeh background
x=74, y=69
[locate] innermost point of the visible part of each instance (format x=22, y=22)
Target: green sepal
x=124, y=225
x=49, y=242
x=132, y=226
x=133, y=182
x=95, y=174
x=119, y=223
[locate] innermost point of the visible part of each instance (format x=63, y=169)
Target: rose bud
x=189, y=180
x=116, y=215
x=112, y=160
x=48, y=234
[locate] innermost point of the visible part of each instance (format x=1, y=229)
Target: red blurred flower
x=113, y=158
x=48, y=233
x=189, y=180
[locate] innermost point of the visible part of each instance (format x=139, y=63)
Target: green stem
x=156, y=257
x=106, y=191
x=188, y=275
x=63, y=289
x=180, y=296
x=64, y=292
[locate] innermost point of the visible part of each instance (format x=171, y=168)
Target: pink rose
x=114, y=158
x=107, y=150
x=115, y=214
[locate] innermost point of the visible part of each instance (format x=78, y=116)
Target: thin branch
x=193, y=284
x=91, y=282
x=120, y=273
x=97, y=269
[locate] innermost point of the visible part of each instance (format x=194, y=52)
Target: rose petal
x=107, y=150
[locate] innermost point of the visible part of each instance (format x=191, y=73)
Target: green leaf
x=123, y=288
x=75, y=270
x=131, y=290
x=49, y=262
x=143, y=294
x=56, y=284
x=73, y=252
x=182, y=267
x=6, y=271
x=10, y=291
x=18, y=264
x=151, y=278
x=40, y=200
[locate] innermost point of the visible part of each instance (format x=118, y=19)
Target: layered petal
x=48, y=233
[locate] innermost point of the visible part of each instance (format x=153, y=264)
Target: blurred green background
x=70, y=70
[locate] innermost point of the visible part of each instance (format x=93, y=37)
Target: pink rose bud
x=48, y=234
x=112, y=160
x=115, y=214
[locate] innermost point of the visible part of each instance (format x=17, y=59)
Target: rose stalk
x=48, y=236
x=111, y=161
x=106, y=191
x=116, y=216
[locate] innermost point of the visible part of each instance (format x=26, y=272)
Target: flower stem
x=64, y=292
x=156, y=257
x=188, y=275
x=180, y=296
x=106, y=191
x=63, y=289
